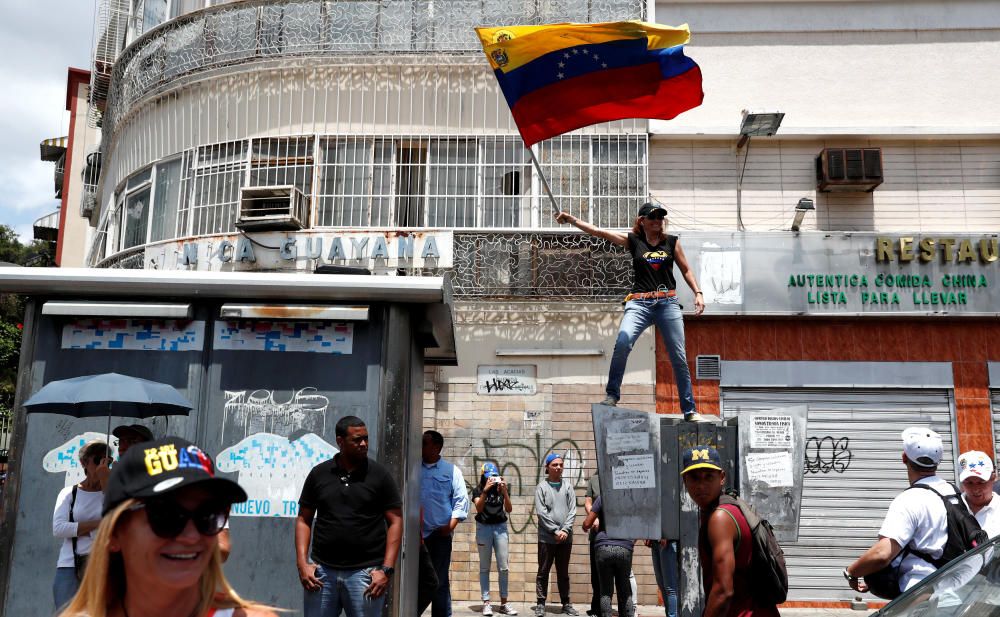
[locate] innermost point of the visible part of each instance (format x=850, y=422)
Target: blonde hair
x=103, y=584
x=92, y=449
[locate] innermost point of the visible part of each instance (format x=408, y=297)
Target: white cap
x=974, y=464
x=922, y=446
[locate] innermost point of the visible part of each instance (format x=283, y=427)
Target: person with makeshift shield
x=653, y=299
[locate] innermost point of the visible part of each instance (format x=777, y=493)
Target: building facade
x=291, y=134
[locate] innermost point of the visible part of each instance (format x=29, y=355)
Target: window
x=134, y=212
x=166, y=201
x=286, y=161
x=217, y=175
x=355, y=182
x=451, y=195
x=154, y=13
x=565, y=160
x=619, y=180
x=410, y=169
x=506, y=183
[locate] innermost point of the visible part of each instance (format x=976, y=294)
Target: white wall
x=930, y=185
x=861, y=68
x=483, y=328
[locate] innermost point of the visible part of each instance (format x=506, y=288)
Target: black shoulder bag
x=79, y=561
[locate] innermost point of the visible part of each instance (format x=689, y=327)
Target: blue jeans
x=440, y=549
x=342, y=590
x=639, y=315
x=490, y=539
x=665, y=570
x=64, y=586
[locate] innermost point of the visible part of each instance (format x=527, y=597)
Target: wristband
x=849, y=577
x=697, y=293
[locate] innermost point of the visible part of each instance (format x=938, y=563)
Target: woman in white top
x=76, y=516
x=156, y=551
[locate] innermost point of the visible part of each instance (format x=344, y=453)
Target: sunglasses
x=168, y=520
x=657, y=216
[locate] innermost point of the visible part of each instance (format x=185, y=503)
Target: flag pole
x=545, y=181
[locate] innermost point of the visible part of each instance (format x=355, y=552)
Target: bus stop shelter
x=270, y=361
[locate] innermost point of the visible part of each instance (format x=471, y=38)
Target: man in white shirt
x=977, y=476
x=916, y=519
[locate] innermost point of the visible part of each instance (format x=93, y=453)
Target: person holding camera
x=492, y=502
x=77, y=514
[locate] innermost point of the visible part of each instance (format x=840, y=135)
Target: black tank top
x=652, y=266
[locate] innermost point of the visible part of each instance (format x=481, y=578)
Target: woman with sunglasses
x=76, y=516
x=156, y=550
x=653, y=299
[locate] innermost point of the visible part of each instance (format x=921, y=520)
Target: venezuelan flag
x=561, y=77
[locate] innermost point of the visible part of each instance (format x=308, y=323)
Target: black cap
x=138, y=429
x=700, y=457
x=648, y=208
x=160, y=467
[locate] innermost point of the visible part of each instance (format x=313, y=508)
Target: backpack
x=964, y=534
x=768, y=573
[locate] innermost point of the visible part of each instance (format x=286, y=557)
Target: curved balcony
x=251, y=30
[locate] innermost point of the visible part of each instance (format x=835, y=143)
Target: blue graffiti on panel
x=272, y=470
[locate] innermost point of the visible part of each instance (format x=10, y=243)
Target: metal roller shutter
x=995, y=399
x=853, y=471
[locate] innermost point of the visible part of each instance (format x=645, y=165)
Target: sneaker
x=506, y=609
x=539, y=610
x=569, y=610
x=487, y=610
x=610, y=401
x=696, y=418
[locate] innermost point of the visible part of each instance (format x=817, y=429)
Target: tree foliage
x=38, y=253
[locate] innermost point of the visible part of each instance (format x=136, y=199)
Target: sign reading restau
x=508, y=380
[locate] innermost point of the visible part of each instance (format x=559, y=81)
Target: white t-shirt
x=917, y=518
x=988, y=516
x=87, y=508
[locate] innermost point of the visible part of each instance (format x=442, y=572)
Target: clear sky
x=39, y=41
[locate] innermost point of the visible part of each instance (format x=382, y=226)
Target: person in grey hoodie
x=555, y=506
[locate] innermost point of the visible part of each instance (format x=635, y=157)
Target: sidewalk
x=469, y=608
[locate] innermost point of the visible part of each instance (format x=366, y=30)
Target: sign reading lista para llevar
x=847, y=273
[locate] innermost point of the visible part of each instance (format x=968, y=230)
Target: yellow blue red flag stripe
x=565, y=76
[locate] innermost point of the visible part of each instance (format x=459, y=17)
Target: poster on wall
x=507, y=379
x=134, y=334
x=306, y=336
x=272, y=470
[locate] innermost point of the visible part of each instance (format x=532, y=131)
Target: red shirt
x=743, y=603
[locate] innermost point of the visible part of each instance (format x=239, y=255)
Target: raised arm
x=614, y=237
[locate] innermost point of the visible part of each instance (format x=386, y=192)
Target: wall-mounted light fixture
x=754, y=124
x=758, y=124
x=805, y=205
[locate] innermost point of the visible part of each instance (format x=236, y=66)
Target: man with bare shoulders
x=725, y=545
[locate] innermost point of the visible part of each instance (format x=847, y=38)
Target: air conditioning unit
x=272, y=208
x=849, y=169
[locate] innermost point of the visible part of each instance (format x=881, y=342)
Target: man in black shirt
x=359, y=528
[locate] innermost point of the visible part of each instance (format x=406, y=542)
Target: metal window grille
x=461, y=182
x=282, y=161
x=217, y=176
x=237, y=31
